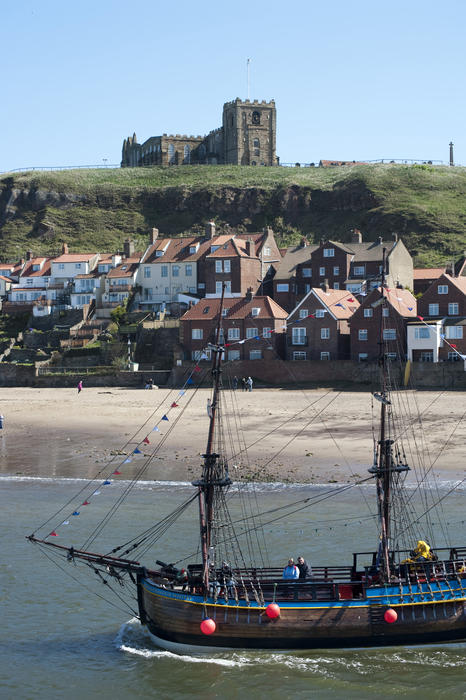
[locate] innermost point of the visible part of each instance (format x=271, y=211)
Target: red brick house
x=446, y=296
x=423, y=278
x=318, y=328
x=387, y=316
x=252, y=328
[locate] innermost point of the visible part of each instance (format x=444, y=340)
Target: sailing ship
x=223, y=596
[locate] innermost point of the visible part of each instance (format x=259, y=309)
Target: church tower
x=249, y=132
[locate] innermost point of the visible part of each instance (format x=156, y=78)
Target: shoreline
x=57, y=433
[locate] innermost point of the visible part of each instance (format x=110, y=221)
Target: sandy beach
x=58, y=433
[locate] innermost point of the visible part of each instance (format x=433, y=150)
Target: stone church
x=247, y=137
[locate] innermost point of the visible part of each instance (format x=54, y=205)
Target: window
x=336, y=285
x=453, y=309
x=359, y=270
x=171, y=153
x=325, y=356
x=298, y=336
x=256, y=146
x=389, y=334
x=336, y=271
x=227, y=287
x=325, y=333
x=299, y=355
x=266, y=332
x=224, y=312
x=427, y=356
x=362, y=334
x=421, y=333
x=164, y=271
x=391, y=356
x=433, y=309
x=303, y=313
x=267, y=252
x=159, y=253
x=233, y=354
x=218, y=288
x=385, y=312
x=77, y=266
x=368, y=313
x=28, y=280
x=193, y=248
x=320, y=313
x=233, y=334
x=255, y=311
x=146, y=272
x=186, y=154
x=282, y=287
x=307, y=288
x=61, y=266
x=251, y=332
x=329, y=252
x=255, y=354
x=218, y=266
x=188, y=270
x=443, y=289
x=322, y=271
x=196, y=333
x=454, y=332
x=307, y=272
x=227, y=266
x=176, y=270
x=362, y=357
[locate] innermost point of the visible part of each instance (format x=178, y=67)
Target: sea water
x=59, y=640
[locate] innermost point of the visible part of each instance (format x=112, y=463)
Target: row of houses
x=332, y=324
x=308, y=302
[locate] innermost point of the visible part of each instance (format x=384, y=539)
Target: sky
x=360, y=80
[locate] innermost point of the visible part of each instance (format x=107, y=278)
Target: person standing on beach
x=249, y=383
x=80, y=386
x=243, y=384
x=235, y=383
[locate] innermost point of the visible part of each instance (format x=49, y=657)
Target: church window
x=187, y=154
x=256, y=118
x=256, y=146
x=171, y=153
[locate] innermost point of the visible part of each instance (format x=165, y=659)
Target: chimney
x=29, y=255
x=268, y=231
x=64, y=249
x=324, y=285
x=356, y=236
x=249, y=248
x=395, y=236
x=128, y=248
x=210, y=230
x=249, y=294
x=154, y=234
x=380, y=240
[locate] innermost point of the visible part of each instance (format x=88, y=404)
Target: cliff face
x=97, y=215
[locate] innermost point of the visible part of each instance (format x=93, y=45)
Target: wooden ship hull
x=426, y=613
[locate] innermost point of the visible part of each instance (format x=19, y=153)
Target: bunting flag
x=96, y=493
x=76, y=512
x=340, y=304
x=66, y=522
x=452, y=346
x=137, y=452
x=156, y=430
x=421, y=318
x=127, y=460
x=86, y=503
x=197, y=369
x=146, y=440
x=53, y=534
x=174, y=405
x=190, y=380
x=351, y=300
x=164, y=417
x=181, y=393
x=116, y=472
x=107, y=482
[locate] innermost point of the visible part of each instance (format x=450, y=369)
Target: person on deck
x=305, y=570
x=291, y=571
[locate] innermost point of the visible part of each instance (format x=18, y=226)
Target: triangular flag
x=350, y=299
x=107, y=481
x=137, y=452
x=146, y=440
x=164, y=418
x=421, y=318
x=197, y=369
x=127, y=460
x=190, y=380
x=96, y=493
x=117, y=473
x=240, y=342
x=174, y=405
x=181, y=393
x=66, y=522
x=257, y=337
x=452, y=346
x=339, y=304
x=227, y=345
x=442, y=336
x=155, y=429
x=86, y=503
x=53, y=534
x=76, y=512
x=410, y=308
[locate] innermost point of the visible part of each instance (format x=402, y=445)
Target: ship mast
x=214, y=474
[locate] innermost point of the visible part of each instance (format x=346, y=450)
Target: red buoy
x=208, y=626
x=390, y=615
x=272, y=611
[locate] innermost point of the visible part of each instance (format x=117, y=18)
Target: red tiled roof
x=340, y=302
x=237, y=308
x=428, y=273
x=74, y=257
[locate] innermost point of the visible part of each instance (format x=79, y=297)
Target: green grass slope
x=98, y=209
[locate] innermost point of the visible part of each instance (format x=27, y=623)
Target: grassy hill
x=98, y=209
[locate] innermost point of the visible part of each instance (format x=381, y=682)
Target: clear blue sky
x=354, y=80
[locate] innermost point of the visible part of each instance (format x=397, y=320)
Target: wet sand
x=58, y=433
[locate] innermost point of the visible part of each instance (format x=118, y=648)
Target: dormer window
x=224, y=312
x=206, y=310
x=255, y=311
x=213, y=248
x=159, y=253
x=193, y=248
x=35, y=268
